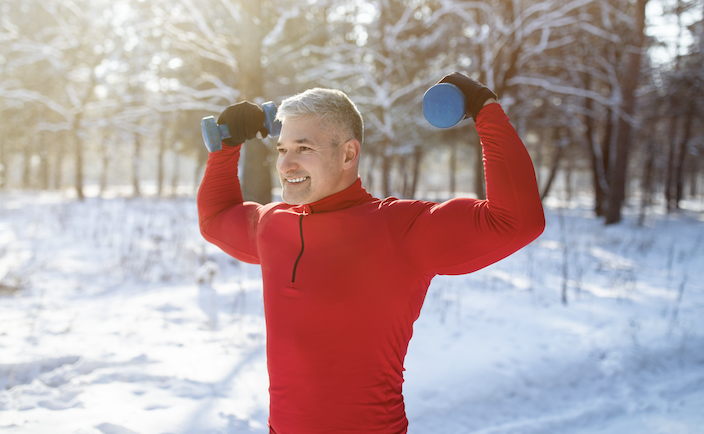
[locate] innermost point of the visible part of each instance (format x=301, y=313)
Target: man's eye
x=281, y=151
x=304, y=148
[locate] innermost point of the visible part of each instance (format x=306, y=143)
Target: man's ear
x=350, y=151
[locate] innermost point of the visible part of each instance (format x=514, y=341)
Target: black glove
x=475, y=93
x=243, y=121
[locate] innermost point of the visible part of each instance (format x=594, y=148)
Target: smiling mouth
x=296, y=180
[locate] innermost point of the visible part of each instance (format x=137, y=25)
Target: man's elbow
x=528, y=229
x=535, y=227
x=204, y=224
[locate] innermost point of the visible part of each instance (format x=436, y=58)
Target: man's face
x=310, y=167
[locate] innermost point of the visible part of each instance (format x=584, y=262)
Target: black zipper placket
x=295, y=266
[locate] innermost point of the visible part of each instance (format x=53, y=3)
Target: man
x=345, y=274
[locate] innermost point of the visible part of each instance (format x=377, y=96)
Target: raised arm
x=225, y=219
x=463, y=235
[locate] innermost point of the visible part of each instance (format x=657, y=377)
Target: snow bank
x=123, y=320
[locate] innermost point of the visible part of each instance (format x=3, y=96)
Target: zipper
x=295, y=266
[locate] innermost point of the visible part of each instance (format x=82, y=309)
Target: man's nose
x=287, y=162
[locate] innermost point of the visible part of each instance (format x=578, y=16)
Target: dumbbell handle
x=214, y=134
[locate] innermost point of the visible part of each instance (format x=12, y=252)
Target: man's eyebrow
x=304, y=140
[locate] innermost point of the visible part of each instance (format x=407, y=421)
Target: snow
x=117, y=318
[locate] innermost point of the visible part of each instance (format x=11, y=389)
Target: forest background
x=117, y=317
x=102, y=98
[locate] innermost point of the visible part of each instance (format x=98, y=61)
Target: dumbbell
x=444, y=105
x=213, y=134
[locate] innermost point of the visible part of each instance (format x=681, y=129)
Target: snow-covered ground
x=117, y=318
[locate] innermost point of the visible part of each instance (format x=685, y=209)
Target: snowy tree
x=583, y=55
x=226, y=40
x=676, y=100
x=112, y=84
x=684, y=102
x=384, y=54
x=391, y=51
x=28, y=91
x=53, y=50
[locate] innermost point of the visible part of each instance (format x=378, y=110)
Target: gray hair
x=337, y=113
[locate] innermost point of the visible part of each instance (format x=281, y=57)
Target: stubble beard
x=298, y=198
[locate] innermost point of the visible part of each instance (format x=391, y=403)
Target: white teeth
x=295, y=180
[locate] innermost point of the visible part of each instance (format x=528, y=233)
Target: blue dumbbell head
x=273, y=127
x=213, y=134
x=444, y=105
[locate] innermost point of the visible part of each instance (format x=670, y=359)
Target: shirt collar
x=353, y=195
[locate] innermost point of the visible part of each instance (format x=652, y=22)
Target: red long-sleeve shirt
x=345, y=278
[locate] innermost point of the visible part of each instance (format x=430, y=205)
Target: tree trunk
x=27, y=166
x=623, y=143
x=78, y=159
x=569, y=172
x=59, y=145
x=453, y=167
x=368, y=179
x=679, y=174
x=78, y=156
x=160, y=159
x=104, y=163
x=606, y=152
x=256, y=184
x=409, y=166
x=43, y=166
x=670, y=171
x=176, y=169
x=417, y=158
x=386, y=174
x=256, y=179
x=694, y=178
x=3, y=161
x=200, y=167
x=539, y=163
x=598, y=169
x=647, y=181
x=136, y=163
x=405, y=176
x=555, y=164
